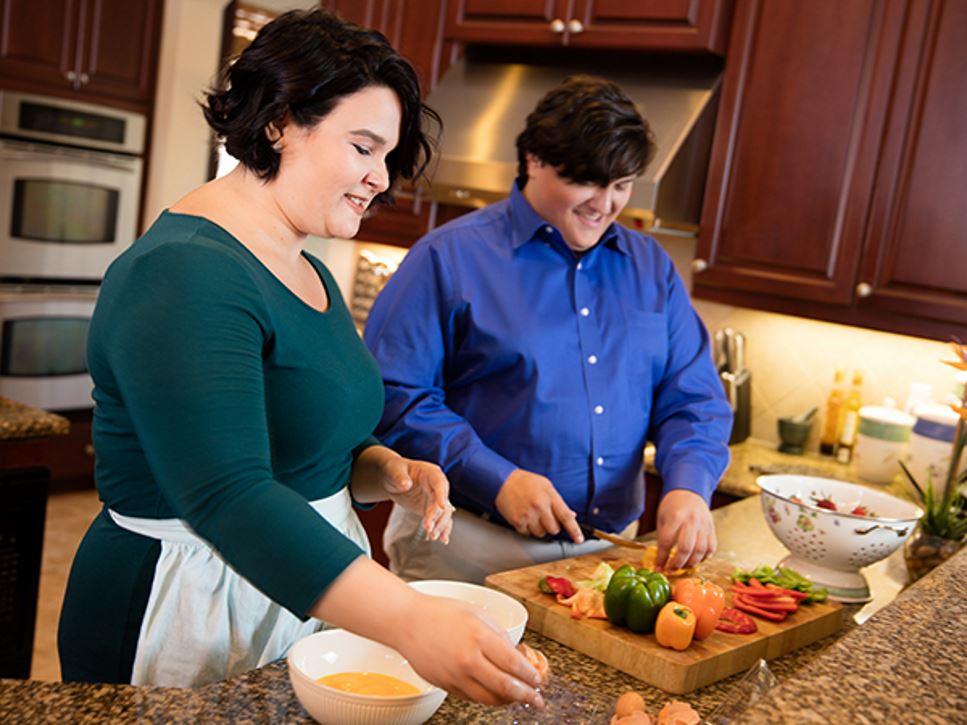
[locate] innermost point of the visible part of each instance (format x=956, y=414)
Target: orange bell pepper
x=675, y=626
x=704, y=598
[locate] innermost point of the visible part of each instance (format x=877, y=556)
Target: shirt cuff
x=483, y=475
x=689, y=477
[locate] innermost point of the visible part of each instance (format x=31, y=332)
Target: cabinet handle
x=863, y=290
x=88, y=449
x=699, y=265
x=557, y=26
x=575, y=26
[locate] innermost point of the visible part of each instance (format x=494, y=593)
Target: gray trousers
x=477, y=548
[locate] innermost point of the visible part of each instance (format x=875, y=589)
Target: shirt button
x=592, y=359
x=599, y=460
x=595, y=511
x=549, y=230
x=599, y=409
x=585, y=312
x=579, y=265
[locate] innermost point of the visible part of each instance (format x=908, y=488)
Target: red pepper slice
x=734, y=621
x=748, y=606
x=558, y=585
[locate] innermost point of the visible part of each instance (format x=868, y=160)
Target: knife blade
x=612, y=538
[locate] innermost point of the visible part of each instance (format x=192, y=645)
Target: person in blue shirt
x=531, y=349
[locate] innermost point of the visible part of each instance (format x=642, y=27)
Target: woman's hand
x=684, y=522
x=417, y=486
x=474, y=660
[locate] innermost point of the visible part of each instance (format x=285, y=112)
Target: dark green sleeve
x=188, y=328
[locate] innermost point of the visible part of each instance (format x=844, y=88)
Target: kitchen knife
x=612, y=538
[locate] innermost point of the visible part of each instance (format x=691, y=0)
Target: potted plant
x=943, y=528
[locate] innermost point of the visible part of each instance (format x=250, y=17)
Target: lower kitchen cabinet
x=69, y=458
x=834, y=187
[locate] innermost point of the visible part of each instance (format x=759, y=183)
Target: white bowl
x=505, y=611
x=336, y=650
x=830, y=547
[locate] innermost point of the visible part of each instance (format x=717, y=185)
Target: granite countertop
x=905, y=663
x=22, y=421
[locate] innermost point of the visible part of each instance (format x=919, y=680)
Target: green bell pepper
x=634, y=598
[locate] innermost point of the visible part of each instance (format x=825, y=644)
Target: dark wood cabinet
x=643, y=25
x=833, y=186
x=68, y=458
x=100, y=51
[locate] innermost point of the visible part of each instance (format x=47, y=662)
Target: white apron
x=204, y=622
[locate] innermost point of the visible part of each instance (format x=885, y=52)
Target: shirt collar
x=526, y=223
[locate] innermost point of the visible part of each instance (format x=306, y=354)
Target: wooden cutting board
x=717, y=657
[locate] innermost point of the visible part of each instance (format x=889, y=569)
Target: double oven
x=70, y=190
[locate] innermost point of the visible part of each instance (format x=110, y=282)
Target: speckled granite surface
x=22, y=421
x=906, y=664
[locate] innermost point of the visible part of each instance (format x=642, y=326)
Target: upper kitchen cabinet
x=692, y=25
x=100, y=51
x=834, y=187
x=415, y=29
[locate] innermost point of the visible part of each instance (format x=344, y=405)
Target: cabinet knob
x=71, y=76
x=863, y=290
x=88, y=449
x=575, y=26
x=84, y=78
x=699, y=265
x=557, y=26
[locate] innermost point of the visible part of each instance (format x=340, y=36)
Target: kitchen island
x=906, y=663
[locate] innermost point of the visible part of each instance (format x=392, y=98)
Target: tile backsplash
x=792, y=359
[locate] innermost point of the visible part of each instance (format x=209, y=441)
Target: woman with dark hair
x=531, y=349
x=235, y=403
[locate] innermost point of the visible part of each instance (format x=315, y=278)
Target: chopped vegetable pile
x=782, y=577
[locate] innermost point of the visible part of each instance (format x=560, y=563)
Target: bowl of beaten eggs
x=343, y=679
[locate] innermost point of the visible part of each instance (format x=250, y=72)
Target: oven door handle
x=20, y=151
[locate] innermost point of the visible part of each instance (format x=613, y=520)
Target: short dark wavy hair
x=297, y=69
x=589, y=131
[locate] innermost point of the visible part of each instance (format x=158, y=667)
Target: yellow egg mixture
x=369, y=683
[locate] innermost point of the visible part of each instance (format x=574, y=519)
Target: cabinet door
x=655, y=24
x=914, y=262
x=791, y=172
x=519, y=22
x=119, y=50
x=38, y=44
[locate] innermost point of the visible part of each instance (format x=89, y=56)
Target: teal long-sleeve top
x=221, y=398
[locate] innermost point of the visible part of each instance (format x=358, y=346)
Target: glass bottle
x=851, y=420
x=834, y=403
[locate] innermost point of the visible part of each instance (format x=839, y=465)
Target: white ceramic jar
x=881, y=442
x=930, y=444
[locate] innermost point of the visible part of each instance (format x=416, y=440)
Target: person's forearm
x=365, y=482
x=357, y=601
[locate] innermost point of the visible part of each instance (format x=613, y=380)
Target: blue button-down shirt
x=502, y=349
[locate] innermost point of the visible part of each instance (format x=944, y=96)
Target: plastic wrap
x=746, y=692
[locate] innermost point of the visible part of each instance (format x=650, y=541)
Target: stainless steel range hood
x=484, y=106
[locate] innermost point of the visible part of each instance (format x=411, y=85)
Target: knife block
x=738, y=390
